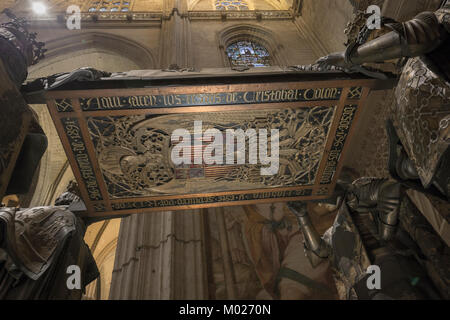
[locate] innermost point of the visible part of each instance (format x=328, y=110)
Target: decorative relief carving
x=245, y=14
x=181, y=202
x=338, y=144
x=99, y=207
x=63, y=105
x=323, y=191
x=158, y=16
x=134, y=152
x=77, y=144
x=421, y=113
x=369, y=158
x=355, y=93
x=111, y=16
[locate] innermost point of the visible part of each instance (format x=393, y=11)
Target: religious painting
x=134, y=152
x=261, y=256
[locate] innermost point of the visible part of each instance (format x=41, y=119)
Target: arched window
x=248, y=53
x=231, y=5
x=109, y=6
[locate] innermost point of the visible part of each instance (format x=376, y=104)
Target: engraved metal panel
x=119, y=145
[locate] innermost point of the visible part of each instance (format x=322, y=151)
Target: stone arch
x=254, y=33
x=102, y=237
x=104, y=43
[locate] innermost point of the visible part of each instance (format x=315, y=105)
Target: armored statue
x=378, y=225
x=37, y=245
x=419, y=125
x=377, y=222
x=22, y=142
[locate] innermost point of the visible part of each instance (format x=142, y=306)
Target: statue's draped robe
x=37, y=247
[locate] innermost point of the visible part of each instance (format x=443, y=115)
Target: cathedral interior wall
x=122, y=46
x=134, y=47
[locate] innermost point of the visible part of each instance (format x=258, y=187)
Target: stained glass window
x=248, y=53
x=109, y=6
x=231, y=5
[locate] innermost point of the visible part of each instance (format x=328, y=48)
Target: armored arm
x=415, y=37
x=315, y=247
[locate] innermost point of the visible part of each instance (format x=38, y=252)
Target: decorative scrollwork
x=134, y=152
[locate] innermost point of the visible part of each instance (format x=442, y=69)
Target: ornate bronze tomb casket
x=117, y=133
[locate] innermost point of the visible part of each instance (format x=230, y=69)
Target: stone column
x=160, y=255
x=175, y=40
x=230, y=279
